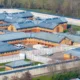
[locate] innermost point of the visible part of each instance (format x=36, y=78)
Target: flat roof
x=19, y=63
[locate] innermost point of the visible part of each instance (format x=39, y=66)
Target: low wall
x=42, y=69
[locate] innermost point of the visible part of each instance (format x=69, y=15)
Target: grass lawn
x=3, y=64
x=59, y=76
x=27, y=60
x=2, y=69
x=43, y=78
x=76, y=28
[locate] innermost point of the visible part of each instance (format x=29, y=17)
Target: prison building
x=26, y=26
x=53, y=25
x=72, y=54
x=52, y=39
x=17, y=64
x=48, y=39
x=43, y=38
x=48, y=25
x=8, y=49
x=75, y=39
x=13, y=37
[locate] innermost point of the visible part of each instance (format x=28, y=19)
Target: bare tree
x=15, y=78
x=5, y=78
x=26, y=76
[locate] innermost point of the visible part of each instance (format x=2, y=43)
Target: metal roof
x=5, y=24
x=47, y=36
x=19, y=63
x=2, y=16
x=51, y=23
x=25, y=24
x=25, y=14
x=13, y=36
x=57, y=20
x=13, y=20
x=74, y=38
x=74, y=52
x=52, y=37
x=48, y=25
x=5, y=47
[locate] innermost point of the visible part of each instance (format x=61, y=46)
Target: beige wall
x=66, y=41
x=8, y=68
x=12, y=28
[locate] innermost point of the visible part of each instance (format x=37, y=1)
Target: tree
x=15, y=78
x=26, y=76
x=5, y=3
x=5, y=78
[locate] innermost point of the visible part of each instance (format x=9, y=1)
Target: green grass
x=2, y=69
x=76, y=28
x=3, y=64
x=27, y=60
x=43, y=78
x=59, y=76
x=36, y=63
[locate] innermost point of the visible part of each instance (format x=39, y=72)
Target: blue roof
x=74, y=38
x=52, y=37
x=13, y=20
x=5, y=47
x=57, y=20
x=51, y=23
x=74, y=52
x=5, y=31
x=19, y=63
x=47, y=36
x=5, y=24
x=2, y=16
x=25, y=14
x=13, y=36
x=47, y=24
x=25, y=24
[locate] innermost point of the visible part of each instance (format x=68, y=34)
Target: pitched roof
x=13, y=20
x=25, y=14
x=2, y=16
x=5, y=24
x=50, y=23
x=47, y=36
x=74, y=52
x=74, y=38
x=19, y=63
x=47, y=24
x=13, y=36
x=57, y=20
x=5, y=47
x=26, y=24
